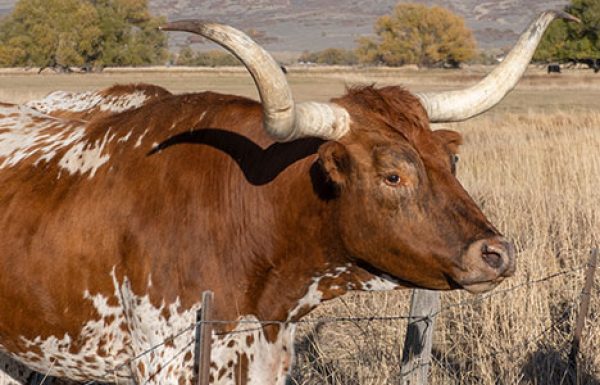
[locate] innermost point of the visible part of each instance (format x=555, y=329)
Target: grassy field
x=536, y=176
x=533, y=165
x=570, y=90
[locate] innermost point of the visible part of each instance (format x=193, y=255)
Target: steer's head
x=399, y=208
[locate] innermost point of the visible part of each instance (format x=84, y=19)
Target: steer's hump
x=92, y=105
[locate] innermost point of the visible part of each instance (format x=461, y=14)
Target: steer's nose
x=499, y=254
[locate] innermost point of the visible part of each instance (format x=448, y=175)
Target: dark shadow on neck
x=260, y=166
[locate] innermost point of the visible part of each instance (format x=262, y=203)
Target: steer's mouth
x=482, y=287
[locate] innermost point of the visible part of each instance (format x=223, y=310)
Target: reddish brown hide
x=207, y=201
x=139, y=200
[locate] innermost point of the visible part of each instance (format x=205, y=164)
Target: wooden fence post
x=203, y=339
x=583, y=310
x=416, y=355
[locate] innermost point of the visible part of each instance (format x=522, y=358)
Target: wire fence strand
x=261, y=324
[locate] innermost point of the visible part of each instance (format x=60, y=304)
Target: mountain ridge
x=301, y=25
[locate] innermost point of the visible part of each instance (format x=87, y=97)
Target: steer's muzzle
x=486, y=263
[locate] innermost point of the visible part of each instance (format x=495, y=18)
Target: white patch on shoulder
x=83, y=157
x=268, y=362
x=125, y=326
x=138, y=142
x=154, y=343
x=126, y=137
x=152, y=326
x=314, y=296
x=102, y=345
x=382, y=283
x=84, y=101
x=26, y=133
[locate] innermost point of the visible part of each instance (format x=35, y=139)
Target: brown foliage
x=417, y=34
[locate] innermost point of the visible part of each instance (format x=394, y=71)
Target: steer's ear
x=335, y=161
x=450, y=139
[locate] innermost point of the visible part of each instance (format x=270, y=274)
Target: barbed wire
x=336, y=319
x=536, y=338
x=261, y=324
x=166, y=363
x=521, y=285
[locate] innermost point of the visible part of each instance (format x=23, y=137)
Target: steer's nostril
x=492, y=255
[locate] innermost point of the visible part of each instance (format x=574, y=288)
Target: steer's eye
x=392, y=180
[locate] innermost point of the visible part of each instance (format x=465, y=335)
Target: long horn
x=283, y=119
x=454, y=106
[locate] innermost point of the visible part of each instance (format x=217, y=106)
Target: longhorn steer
x=113, y=220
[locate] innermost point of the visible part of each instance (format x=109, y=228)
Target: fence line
x=529, y=283
x=332, y=319
x=535, y=339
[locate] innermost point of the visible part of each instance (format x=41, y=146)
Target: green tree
x=417, y=34
x=130, y=34
x=64, y=33
x=565, y=41
x=48, y=33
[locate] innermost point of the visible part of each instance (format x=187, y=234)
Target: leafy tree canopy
x=565, y=41
x=417, y=34
x=64, y=33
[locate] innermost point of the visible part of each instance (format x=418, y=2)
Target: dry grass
x=537, y=176
x=532, y=163
x=580, y=89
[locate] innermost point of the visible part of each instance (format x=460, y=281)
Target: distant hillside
x=6, y=6
x=298, y=25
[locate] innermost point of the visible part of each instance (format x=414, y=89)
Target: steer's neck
x=307, y=248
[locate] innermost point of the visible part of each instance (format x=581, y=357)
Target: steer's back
x=97, y=104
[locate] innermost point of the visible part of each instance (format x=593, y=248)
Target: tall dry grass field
x=532, y=164
x=537, y=177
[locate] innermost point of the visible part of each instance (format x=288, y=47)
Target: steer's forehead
x=393, y=107
x=390, y=116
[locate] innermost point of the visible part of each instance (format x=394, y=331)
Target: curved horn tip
x=567, y=16
x=183, y=25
